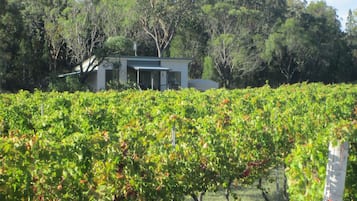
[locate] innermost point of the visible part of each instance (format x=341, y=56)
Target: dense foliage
x=167, y=145
x=237, y=43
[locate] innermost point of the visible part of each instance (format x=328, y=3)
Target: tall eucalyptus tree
x=160, y=19
x=82, y=32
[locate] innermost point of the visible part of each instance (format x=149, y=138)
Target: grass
x=252, y=193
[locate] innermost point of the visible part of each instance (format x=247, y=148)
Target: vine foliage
x=118, y=145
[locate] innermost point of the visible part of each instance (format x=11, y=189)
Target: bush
x=68, y=83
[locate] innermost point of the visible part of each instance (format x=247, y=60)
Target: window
x=111, y=77
x=174, y=80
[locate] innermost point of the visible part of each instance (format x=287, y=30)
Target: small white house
x=148, y=72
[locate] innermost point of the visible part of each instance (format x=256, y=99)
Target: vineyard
x=148, y=145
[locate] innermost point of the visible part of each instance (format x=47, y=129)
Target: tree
x=160, y=19
x=3, y=41
x=351, y=24
x=351, y=37
x=309, y=45
x=24, y=53
x=247, y=42
x=119, y=45
x=34, y=53
x=119, y=18
x=208, y=70
x=53, y=32
x=82, y=31
x=288, y=49
x=331, y=62
x=190, y=41
x=234, y=40
x=221, y=25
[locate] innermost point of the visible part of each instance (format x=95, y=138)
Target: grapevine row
x=148, y=145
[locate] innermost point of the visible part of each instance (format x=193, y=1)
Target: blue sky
x=342, y=7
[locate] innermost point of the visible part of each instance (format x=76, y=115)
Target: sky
x=342, y=7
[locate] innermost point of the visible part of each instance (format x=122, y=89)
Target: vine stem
x=264, y=192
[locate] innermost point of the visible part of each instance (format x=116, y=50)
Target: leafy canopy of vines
x=110, y=145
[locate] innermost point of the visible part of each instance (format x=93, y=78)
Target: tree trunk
x=200, y=198
x=277, y=184
x=201, y=195
x=159, y=52
x=285, y=187
x=226, y=194
x=264, y=192
x=228, y=189
x=336, y=172
x=194, y=197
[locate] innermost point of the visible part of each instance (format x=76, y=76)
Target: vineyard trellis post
x=173, y=135
x=336, y=171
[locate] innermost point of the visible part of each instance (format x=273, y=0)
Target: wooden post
x=336, y=172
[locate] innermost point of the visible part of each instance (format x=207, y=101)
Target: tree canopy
x=235, y=42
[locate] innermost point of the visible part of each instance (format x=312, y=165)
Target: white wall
x=163, y=80
x=178, y=65
x=123, y=71
x=175, y=65
x=101, y=82
x=100, y=78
